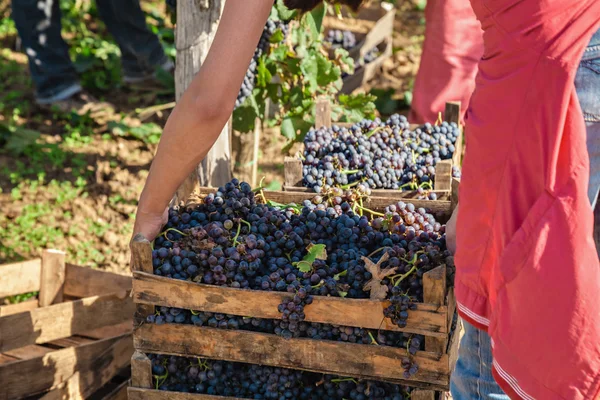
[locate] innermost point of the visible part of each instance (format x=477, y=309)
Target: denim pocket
x=587, y=84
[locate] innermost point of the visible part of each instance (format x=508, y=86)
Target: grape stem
x=426, y=184
x=350, y=171
x=378, y=250
x=172, y=229
x=373, y=341
x=344, y=380
x=348, y=186
x=237, y=234
x=371, y=211
x=374, y=131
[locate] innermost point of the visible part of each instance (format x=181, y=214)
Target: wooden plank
x=323, y=113
x=407, y=196
x=152, y=394
x=452, y=112
x=6, y=359
x=434, y=292
x=106, y=332
x=454, y=344
x=21, y=277
x=292, y=170
x=427, y=319
x=367, y=71
x=71, y=341
x=422, y=395
x=87, y=379
x=118, y=393
x=141, y=370
x=52, y=278
x=443, y=176
x=337, y=358
x=27, y=305
x=27, y=352
x=50, y=323
x=93, y=362
x=85, y=282
x=455, y=188
x=141, y=258
x=441, y=209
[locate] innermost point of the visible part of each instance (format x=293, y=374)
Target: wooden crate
x=373, y=27
x=432, y=318
x=443, y=186
x=72, y=339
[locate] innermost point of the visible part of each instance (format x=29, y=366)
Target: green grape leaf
x=315, y=252
x=277, y=37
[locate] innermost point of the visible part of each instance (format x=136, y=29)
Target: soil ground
x=76, y=189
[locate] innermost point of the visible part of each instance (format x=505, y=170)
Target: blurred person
x=38, y=23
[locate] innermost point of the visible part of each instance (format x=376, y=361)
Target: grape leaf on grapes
x=378, y=291
x=315, y=252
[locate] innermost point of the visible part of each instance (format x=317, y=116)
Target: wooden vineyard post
x=255, y=155
x=52, y=279
x=141, y=256
x=434, y=291
x=196, y=27
x=323, y=113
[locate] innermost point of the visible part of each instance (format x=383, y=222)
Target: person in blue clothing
x=38, y=23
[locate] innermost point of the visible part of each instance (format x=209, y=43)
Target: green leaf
x=285, y=14
x=408, y=98
x=342, y=294
x=263, y=74
x=277, y=37
x=318, y=13
x=17, y=139
x=315, y=252
x=292, y=127
x=384, y=103
x=243, y=118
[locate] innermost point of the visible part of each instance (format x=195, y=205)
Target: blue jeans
x=472, y=377
x=53, y=74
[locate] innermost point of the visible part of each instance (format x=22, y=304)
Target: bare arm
x=204, y=108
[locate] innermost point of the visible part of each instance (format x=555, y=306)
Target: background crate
x=71, y=341
x=373, y=27
x=443, y=187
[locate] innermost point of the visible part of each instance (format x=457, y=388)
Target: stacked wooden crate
x=72, y=340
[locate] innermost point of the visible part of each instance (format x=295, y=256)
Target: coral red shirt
x=527, y=267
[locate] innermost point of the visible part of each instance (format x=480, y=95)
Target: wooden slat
x=337, y=358
x=408, y=196
x=422, y=395
x=141, y=258
x=141, y=371
x=71, y=341
x=434, y=292
x=443, y=176
x=292, y=170
x=440, y=208
x=27, y=305
x=455, y=188
x=93, y=362
x=21, y=277
x=427, y=319
x=454, y=344
x=118, y=393
x=91, y=377
x=6, y=358
x=86, y=282
x=106, y=332
x=63, y=320
x=151, y=394
x=452, y=112
x=27, y=352
x=323, y=113
x=52, y=278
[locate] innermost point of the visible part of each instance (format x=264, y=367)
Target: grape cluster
x=263, y=46
x=377, y=154
x=219, y=378
x=235, y=239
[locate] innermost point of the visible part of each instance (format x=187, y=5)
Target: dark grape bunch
x=378, y=155
x=263, y=46
x=220, y=378
x=234, y=239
